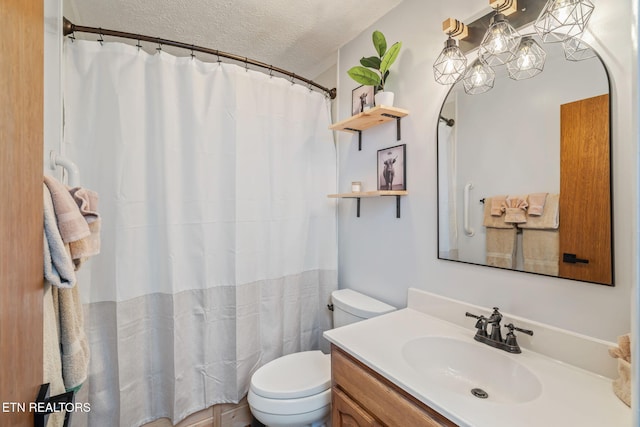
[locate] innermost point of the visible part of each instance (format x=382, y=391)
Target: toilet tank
x=350, y=306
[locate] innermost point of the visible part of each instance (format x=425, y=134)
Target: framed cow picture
x=392, y=163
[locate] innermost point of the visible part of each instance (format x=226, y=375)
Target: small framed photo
x=361, y=99
x=392, y=163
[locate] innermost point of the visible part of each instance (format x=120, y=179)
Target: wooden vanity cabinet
x=363, y=398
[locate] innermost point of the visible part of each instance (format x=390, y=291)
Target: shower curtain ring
x=293, y=76
x=100, y=39
x=138, y=45
x=246, y=64
x=218, y=55
x=159, y=48
x=270, y=71
x=193, y=55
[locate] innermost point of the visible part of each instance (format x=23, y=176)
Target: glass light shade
x=450, y=64
x=577, y=50
x=499, y=43
x=563, y=19
x=528, y=61
x=479, y=78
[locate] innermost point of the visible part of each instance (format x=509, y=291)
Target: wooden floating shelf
x=364, y=194
x=367, y=119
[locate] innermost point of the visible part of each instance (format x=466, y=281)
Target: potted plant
x=374, y=70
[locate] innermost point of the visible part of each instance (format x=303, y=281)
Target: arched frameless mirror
x=548, y=138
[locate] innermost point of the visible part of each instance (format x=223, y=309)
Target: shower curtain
x=218, y=241
x=447, y=191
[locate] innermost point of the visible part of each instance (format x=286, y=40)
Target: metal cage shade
x=450, y=64
x=577, y=50
x=563, y=19
x=499, y=43
x=528, y=61
x=479, y=78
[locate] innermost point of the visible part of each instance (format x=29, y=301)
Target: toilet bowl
x=295, y=390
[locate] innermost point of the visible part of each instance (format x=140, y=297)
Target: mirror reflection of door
x=507, y=142
x=585, y=203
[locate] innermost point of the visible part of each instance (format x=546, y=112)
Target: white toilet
x=295, y=390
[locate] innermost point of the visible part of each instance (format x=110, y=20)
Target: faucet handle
x=512, y=327
x=511, y=343
x=481, y=324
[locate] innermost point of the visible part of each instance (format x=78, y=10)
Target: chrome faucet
x=509, y=343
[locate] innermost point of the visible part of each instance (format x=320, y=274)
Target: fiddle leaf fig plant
x=374, y=70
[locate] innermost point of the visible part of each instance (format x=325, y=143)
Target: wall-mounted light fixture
x=563, y=19
x=501, y=40
x=499, y=43
x=451, y=64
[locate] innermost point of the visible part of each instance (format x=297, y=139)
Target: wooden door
x=21, y=212
x=585, y=190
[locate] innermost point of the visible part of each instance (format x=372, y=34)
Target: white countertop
x=570, y=396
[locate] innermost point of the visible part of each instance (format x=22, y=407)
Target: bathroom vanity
x=360, y=397
x=417, y=367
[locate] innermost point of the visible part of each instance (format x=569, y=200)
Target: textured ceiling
x=301, y=36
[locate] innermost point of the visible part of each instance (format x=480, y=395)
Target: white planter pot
x=384, y=98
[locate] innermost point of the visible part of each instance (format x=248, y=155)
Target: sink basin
x=461, y=366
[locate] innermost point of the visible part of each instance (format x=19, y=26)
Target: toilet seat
x=293, y=384
x=293, y=376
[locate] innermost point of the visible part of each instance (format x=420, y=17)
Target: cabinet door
x=346, y=413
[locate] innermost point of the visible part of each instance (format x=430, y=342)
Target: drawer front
x=379, y=397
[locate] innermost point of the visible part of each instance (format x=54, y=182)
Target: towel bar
x=467, y=228
x=73, y=173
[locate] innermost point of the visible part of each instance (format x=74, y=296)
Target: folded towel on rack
x=71, y=223
x=515, y=208
x=82, y=249
x=58, y=267
x=536, y=203
x=622, y=384
x=51, y=364
x=501, y=247
x=489, y=219
x=496, y=203
x=550, y=218
x=541, y=251
x=87, y=201
x=74, y=347
x=623, y=350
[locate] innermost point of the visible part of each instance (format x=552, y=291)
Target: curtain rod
x=70, y=28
